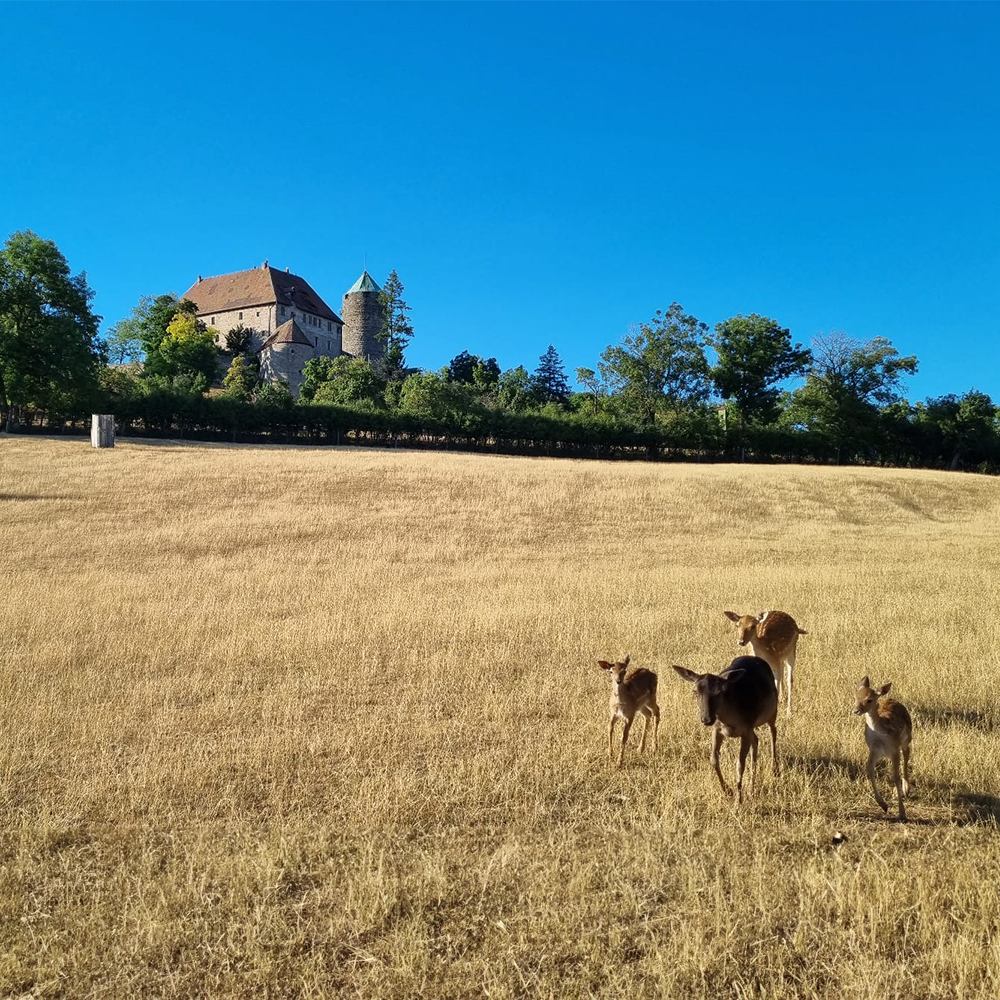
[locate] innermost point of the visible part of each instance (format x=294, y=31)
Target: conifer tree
x=549, y=382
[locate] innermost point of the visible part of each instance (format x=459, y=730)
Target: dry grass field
x=318, y=723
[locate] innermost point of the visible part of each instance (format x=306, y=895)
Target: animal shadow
x=826, y=765
x=982, y=809
x=945, y=717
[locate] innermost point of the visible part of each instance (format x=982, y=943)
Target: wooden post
x=102, y=430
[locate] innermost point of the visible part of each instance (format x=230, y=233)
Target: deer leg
x=645, y=729
x=625, y=729
x=656, y=726
x=899, y=786
x=717, y=739
x=611, y=736
x=753, y=760
x=789, y=673
x=907, y=781
x=745, y=744
x=774, y=748
x=871, y=778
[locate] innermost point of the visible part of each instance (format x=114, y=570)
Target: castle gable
x=287, y=333
x=259, y=286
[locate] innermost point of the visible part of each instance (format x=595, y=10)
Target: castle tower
x=362, y=314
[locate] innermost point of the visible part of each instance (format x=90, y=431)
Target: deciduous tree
x=847, y=381
x=755, y=355
x=659, y=362
x=49, y=346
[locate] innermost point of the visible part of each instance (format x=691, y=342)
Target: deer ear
x=734, y=675
x=627, y=660
x=687, y=675
x=865, y=682
x=884, y=690
x=732, y=616
x=604, y=665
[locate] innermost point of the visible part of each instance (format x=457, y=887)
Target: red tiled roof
x=288, y=333
x=260, y=286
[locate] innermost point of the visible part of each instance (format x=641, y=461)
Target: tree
x=352, y=382
x=846, y=383
x=275, y=393
x=549, y=381
x=462, y=368
x=434, y=394
x=963, y=428
x=514, y=390
x=241, y=379
x=315, y=372
x=123, y=343
x=594, y=385
x=239, y=339
x=49, y=346
x=148, y=321
x=660, y=362
x=755, y=355
x=189, y=348
x=397, y=331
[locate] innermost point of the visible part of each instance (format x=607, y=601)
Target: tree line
x=671, y=387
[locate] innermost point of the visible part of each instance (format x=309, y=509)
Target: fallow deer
x=773, y=636
x=636, y=693
x=888, y=732
x=735, y=703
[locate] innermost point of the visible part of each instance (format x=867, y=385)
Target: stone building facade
x=292, y=323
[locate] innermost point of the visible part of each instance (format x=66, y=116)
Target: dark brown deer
x=735, y=703
x=888, y=732
x=636, y=693
x=773, y=636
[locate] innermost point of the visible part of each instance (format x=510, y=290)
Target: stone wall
x=285, y=362
x=260, y=318
x=267, y=319
x=362, y=315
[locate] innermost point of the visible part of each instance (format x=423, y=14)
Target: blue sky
x=546, y=173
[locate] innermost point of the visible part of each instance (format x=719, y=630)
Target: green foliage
x=434, y=394
x=396, y=332
x=595, y=389
x=188, y=348
x=549, y=381
x=49, y=346
x=123, y=343
x=514, y=390
x=242, y=378
x=846, y=382
x=315, y=373
x=471, y=369
x=350, y=381
x=755, y=354
x=659, y=363
x=240, y=339
x=275, y=394
x=960, y=430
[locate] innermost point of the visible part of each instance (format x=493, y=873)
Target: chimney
x=287, y=271
x=263, y=266
x=199, y=279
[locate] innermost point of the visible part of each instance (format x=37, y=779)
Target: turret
x=363, y=315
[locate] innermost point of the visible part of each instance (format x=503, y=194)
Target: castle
x=292, y=323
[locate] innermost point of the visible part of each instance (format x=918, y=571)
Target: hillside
x=312, y=722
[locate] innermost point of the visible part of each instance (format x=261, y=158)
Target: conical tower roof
x=366, y=283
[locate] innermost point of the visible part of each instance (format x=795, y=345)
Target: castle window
x=241, y=315
x=213, y=321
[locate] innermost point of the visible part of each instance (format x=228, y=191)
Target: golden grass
x=296, y=722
